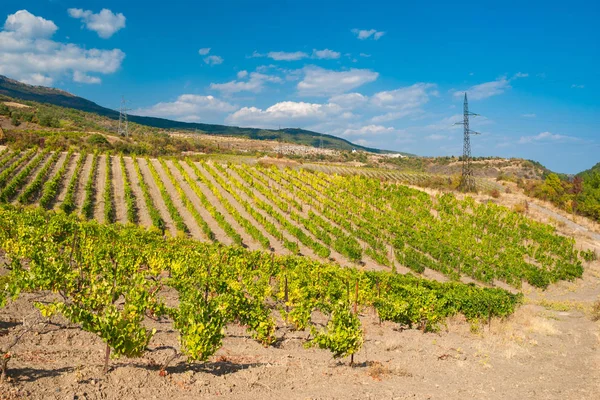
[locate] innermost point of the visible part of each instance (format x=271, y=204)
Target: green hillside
x=41, y=94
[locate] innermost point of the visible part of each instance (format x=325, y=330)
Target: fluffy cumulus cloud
x=323, y=82
x=105, y=23
x=189, y=108
x=363, y=34
x=546, y=137
x=23, y=24
x=255, y=83
x=287, y=113
x=81, y=77
x=28, y=53
x=403, y=101
x=204, y=51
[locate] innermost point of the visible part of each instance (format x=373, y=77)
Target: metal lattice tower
x=467, y=182
x=123, y=123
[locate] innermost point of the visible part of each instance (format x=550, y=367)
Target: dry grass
x=595, y=313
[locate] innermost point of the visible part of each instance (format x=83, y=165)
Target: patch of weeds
x=596, y=311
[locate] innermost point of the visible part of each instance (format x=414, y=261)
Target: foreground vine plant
x=108, y=278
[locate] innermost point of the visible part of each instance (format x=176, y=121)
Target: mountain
x=41, y=94
x=589, y=172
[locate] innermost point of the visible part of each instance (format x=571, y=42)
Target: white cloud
x=242, y=74
x=26, y=25
x=287, y=113
x=81, y=77
x=28, y=54
x=520, y=75
x=323, y=82
x=365, y=55
x=204, y=51
x=402, y=102
x=325, y=54
x=213, y=60
x=485, y=90
x=370, y=130
x=349, y=100
x=575, y=86
x=255, y=83
x=285, y=56
x=405, y=98
x=189, y=108
x=105, y=23
x=38, y=80
x=546, y=137
x=529, y=115
x=363, y=34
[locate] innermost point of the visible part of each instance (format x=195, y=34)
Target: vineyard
x=115, y=245
x=110, y=277
x=390, y=175
x=352, y=220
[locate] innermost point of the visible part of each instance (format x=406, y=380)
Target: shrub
x=495, y=193
x=97, y=139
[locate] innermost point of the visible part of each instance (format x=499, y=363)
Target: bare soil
x=66, y=179
x=189, y=220
x=246, y=239
x=85, y=176
x=143, y=216
x=156, y=196
x=118, y=191
x=219, y=234
x=252, y=244
x=99, y=188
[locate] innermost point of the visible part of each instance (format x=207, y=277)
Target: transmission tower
x=123, y=123
x=467, y=182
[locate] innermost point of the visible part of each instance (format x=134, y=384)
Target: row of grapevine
x=187, y=203
x=11, y=188
x=193, y=184
x=52, y=186
x=87, y=209
x=68, y=204
x=109, y=280
x=132, y=211
x=34, y=186
x=109, y=209
x=19, y=160
x=244, y=223
x=173, y=212
x=266, y=223
x=355, y=217
x=157, y=220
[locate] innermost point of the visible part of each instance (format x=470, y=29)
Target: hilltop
x=41, y=94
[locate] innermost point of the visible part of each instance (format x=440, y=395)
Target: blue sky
x=382, y=74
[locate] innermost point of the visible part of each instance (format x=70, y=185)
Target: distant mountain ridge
x=42, y=94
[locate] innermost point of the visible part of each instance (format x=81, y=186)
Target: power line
x=467, y=182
